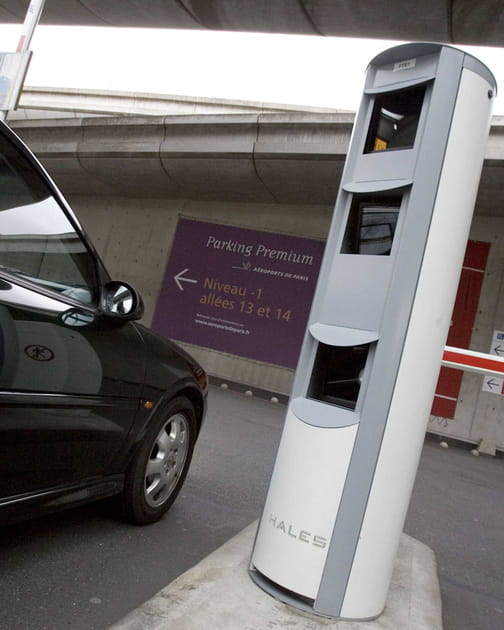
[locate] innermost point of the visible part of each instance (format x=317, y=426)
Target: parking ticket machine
x=369, y=363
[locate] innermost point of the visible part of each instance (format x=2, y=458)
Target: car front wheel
x=157, y=472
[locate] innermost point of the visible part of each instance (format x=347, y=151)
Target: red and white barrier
x=471, y=361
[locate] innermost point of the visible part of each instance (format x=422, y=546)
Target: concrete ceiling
x=453, y=21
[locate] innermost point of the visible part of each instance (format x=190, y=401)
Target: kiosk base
x=218, y=593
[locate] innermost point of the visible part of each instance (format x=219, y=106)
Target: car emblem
x=39, y=353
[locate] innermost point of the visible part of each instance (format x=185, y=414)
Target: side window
x=37, y=240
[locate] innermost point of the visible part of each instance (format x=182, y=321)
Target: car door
x=70, y=378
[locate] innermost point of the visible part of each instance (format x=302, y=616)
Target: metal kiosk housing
x=370, y=359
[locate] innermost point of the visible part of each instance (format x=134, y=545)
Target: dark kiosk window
x=394, y=121
x=371, y=225
x=337, y=374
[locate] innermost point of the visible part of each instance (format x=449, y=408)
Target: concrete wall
x=134, y=238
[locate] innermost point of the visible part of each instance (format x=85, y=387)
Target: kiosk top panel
x=413, y=63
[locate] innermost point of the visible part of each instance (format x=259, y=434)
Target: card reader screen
x=337, y=374
x=394, y=121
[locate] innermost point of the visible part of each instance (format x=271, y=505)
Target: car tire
x=158, y=469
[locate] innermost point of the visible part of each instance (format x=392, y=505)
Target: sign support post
x=14, y=66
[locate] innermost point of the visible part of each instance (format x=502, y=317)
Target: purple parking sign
x=240, y=291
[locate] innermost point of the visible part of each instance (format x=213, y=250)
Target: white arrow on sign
x=179, y=278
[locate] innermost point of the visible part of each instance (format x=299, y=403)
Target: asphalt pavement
x=84, y=569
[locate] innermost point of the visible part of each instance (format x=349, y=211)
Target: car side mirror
x=121, y=301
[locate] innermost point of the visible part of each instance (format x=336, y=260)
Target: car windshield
x=37, y=240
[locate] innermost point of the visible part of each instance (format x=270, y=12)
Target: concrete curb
x=217, y=594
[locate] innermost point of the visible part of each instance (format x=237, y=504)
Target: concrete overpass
x=259, y=156
x=450, y=21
